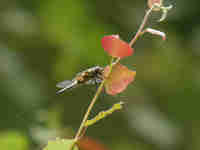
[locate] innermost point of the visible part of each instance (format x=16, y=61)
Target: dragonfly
x=92, y=75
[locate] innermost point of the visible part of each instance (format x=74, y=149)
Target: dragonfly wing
x=66, y=85
x=63, y=84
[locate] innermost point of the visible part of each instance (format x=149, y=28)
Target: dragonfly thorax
x=91, y=74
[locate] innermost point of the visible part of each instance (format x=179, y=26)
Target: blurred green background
x=45, y=42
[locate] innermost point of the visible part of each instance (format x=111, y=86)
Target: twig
x=141, y=26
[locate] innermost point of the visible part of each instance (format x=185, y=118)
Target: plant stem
x=85, y=118
x=141, y=26
x=100, y=88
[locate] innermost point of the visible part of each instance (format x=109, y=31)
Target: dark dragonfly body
x=92, y=75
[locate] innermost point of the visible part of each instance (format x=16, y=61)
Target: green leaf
x=61, y=144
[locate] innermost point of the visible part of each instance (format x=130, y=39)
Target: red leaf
x=116, y=47
x=119, y=78
x=90, y=144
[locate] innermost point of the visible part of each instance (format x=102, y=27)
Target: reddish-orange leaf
x=90, y=144
x=116, y=47
x=119, y=78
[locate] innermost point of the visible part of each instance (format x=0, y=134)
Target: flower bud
x=156, y=3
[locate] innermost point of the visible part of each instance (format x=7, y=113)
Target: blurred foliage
x=13, y=140
x=44, y=42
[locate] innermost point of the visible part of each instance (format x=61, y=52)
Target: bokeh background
x=44, y=42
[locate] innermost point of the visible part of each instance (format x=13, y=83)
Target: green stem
x=104, y=114
x=85, y=118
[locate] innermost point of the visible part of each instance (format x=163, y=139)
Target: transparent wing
x=64, y=84
x=67, y=84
